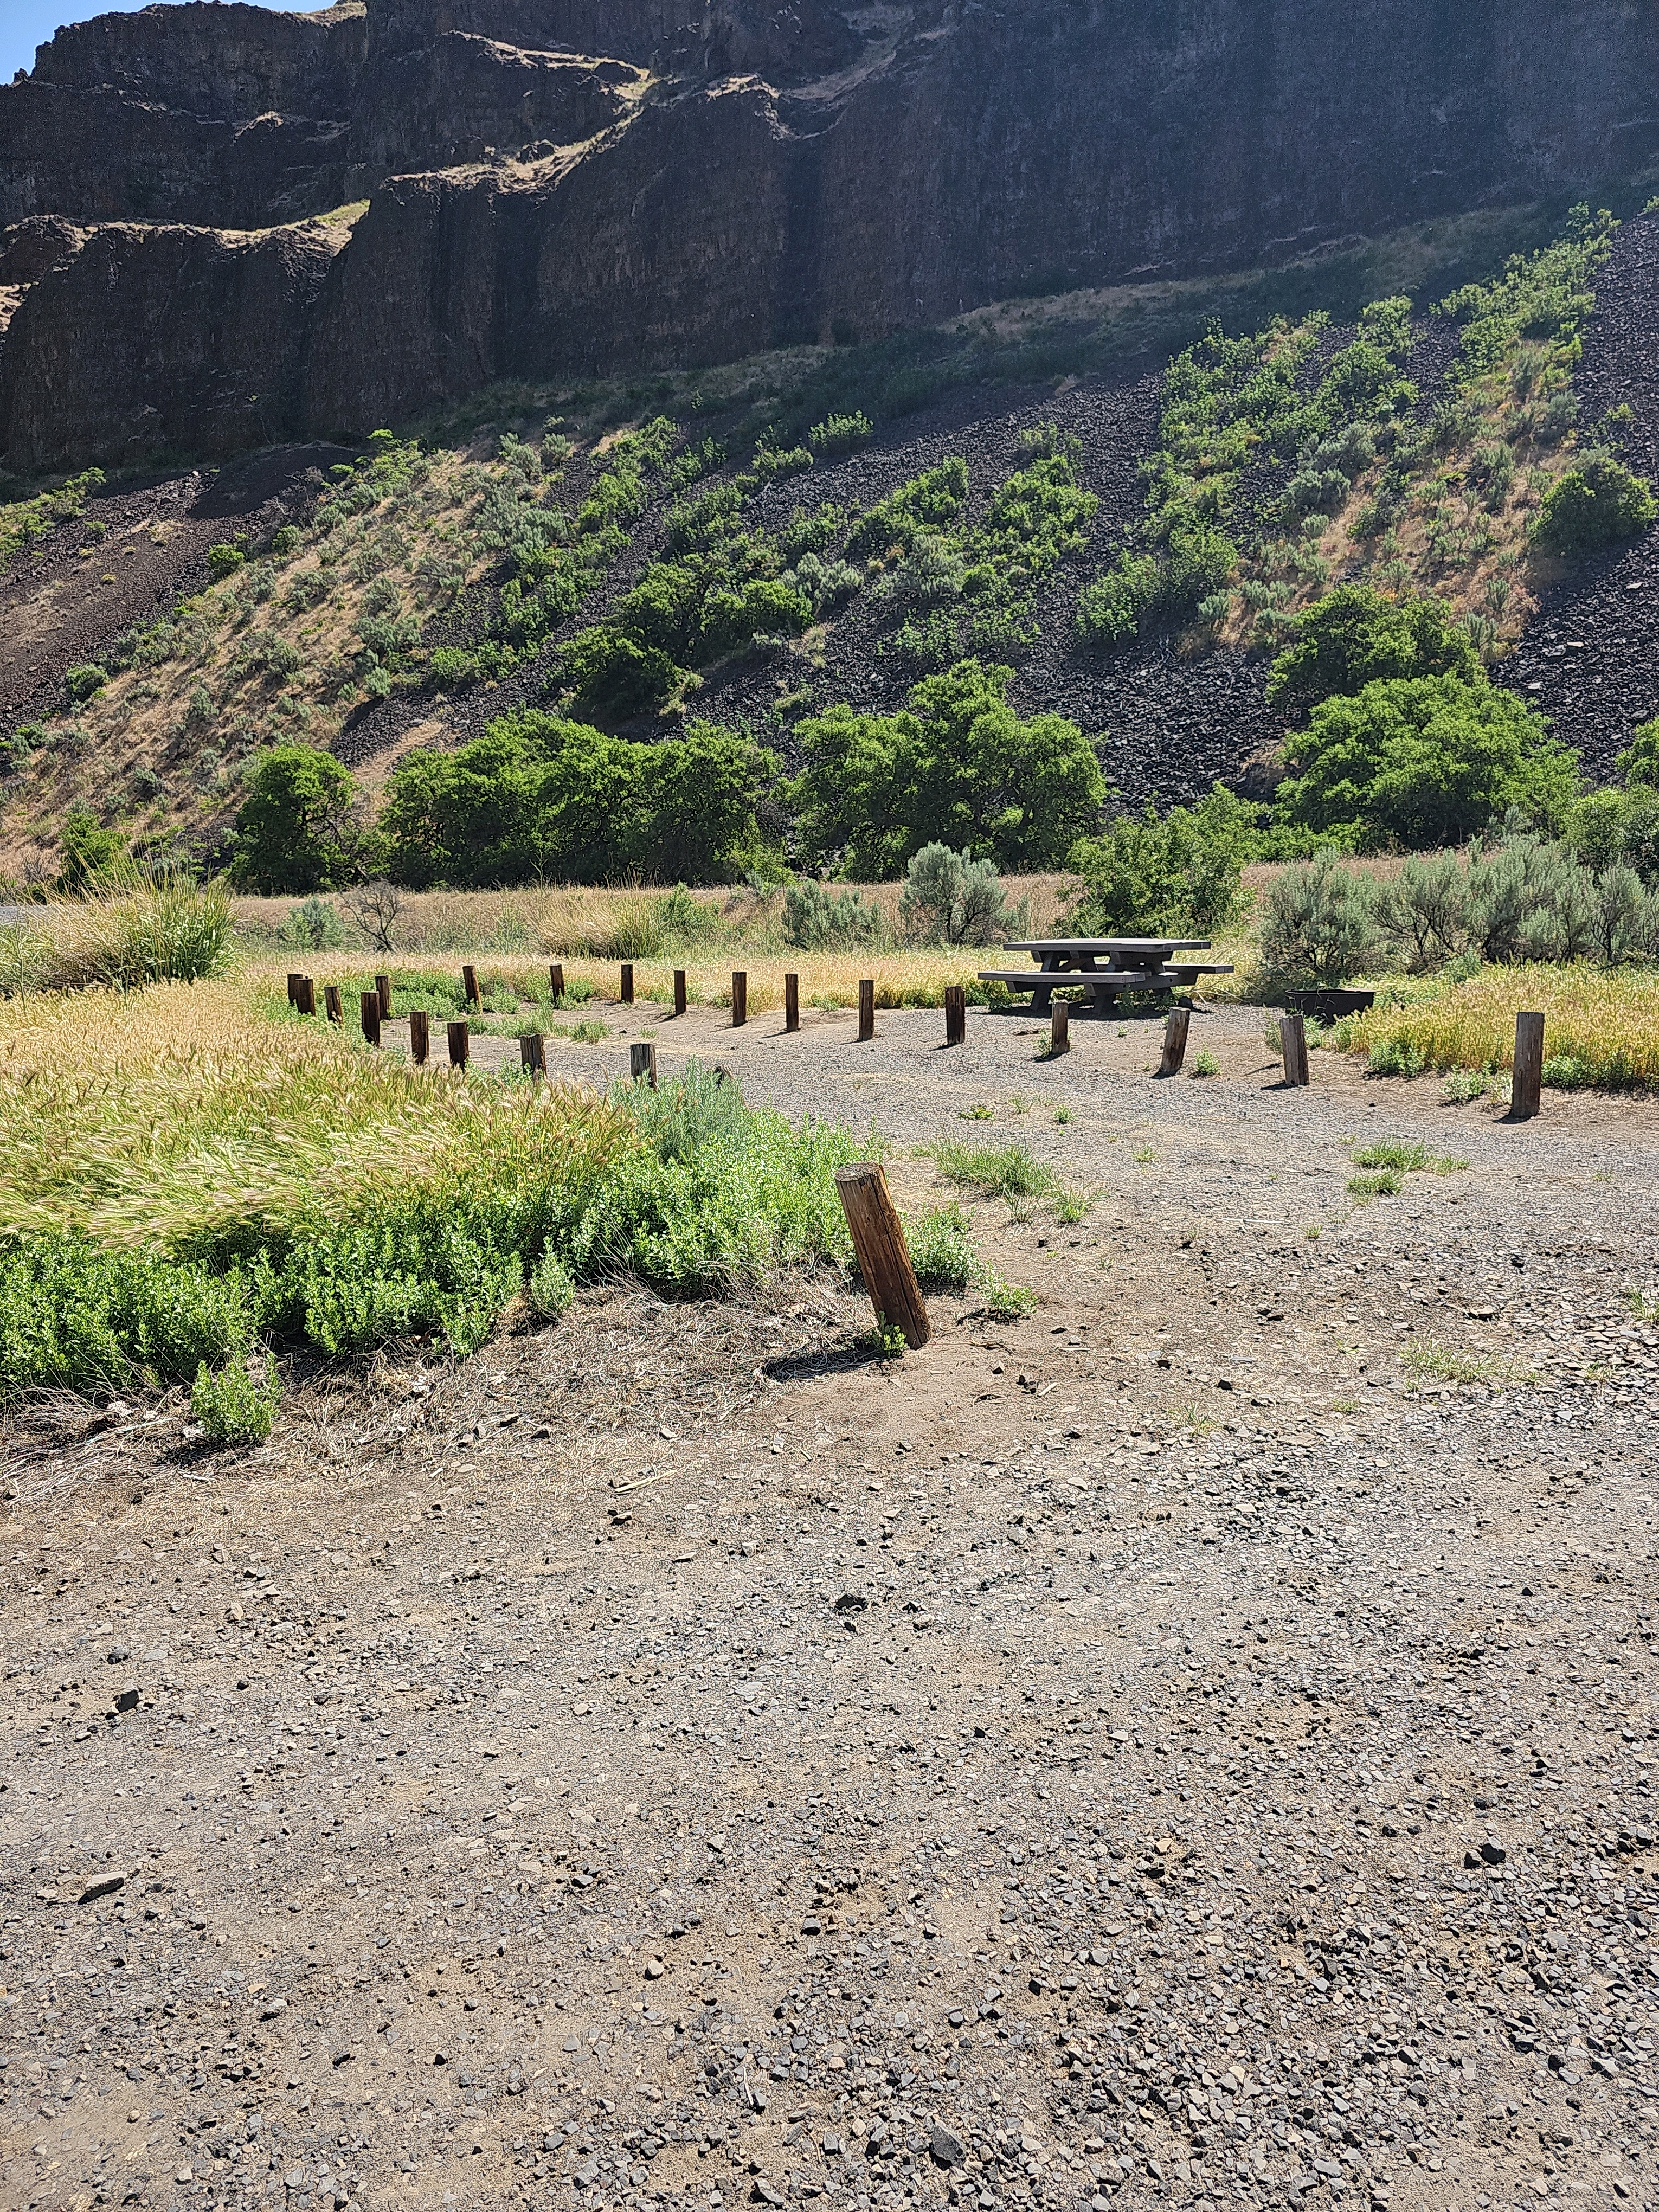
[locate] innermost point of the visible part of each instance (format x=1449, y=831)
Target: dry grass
x=1600, y=1028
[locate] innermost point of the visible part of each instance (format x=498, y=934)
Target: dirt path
x=1150, y=1753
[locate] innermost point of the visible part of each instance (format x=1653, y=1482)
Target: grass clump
x=1007, y=1301
x=1204, y=1063
x=1608, y=1023
x=1442, y=1362
x=996, y=1172
x=1390, y=1161
x=1072, y=1207
x=238, y=1405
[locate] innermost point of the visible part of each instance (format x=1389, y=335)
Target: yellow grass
x=1600, y=1027
x=171, y=1113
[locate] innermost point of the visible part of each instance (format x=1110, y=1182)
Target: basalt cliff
x=223, y=226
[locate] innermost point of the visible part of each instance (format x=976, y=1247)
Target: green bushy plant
x=817, y=920
x=239, y=1404
x=1353, y=636
x=1181, y=871
x=1318, y=923
x=1596, y=503
x=941, y=1249
x=296, y=831
x=313, y=926
x=548, y=1287
x=951, y=898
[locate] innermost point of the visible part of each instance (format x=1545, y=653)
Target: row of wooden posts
x=376, y=1007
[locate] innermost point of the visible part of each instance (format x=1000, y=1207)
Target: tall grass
x=125, y=933
x=183, y=1175
x=1600, y=1027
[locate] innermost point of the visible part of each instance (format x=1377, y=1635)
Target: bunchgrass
x=994, y=1170
x=1391, y=1160
x=1440, y=1362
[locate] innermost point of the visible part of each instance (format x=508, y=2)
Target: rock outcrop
x=560, y=186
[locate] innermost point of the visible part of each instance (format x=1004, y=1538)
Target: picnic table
x=1105, y=965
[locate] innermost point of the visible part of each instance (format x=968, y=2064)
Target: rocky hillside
x=229, y=225
x=751, y=546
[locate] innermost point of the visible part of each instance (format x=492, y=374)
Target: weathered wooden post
x=294, y=983
x=628, y=983
x=679, y=990
x=883, y=1255
x=369, y=1005
x=642, y=1061
x=955, y=1014
x=331, y=1003
x=1293, y=1043
x=791, y=1004
x=1059, y=1027
x=1525, y=1087
x=740, y=998
x=459, y=1043
x=532, y=1053
x=383, y=990
x=555, y=980
x=1175, y=1042
x=470, y=987
x=420, y=1036
x=307, y=995
x=867, y=1010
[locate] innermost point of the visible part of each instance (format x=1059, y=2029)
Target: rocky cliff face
x=573, y=185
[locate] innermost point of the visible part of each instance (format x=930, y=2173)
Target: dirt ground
x=1184, y=1748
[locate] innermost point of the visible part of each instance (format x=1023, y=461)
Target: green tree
x=1639, y=760
x=89, y=851
x=1422, y=762
x=294, y=831
x=959, y=767
x=1593, y=504
x=1182, y=872
x=1354, y=636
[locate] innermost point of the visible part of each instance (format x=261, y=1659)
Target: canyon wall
x=556, y=186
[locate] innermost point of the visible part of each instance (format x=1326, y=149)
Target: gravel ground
x=1157, y=1751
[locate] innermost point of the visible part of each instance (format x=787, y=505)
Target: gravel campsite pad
x=1191, y=1745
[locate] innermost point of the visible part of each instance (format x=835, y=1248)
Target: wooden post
x=955, y=1014
x=369, y=1004
x=1293, y=1042
x=884, y=1258
x=420, y=1036
x=383, y=988
x=867, y=1010
x=1528, y=1081
x=294, y=983
x=532, y=1053
x=1059, y=1027
x=459, y=1041
x=555, y=980
x=642, y=1061
x=332, y=1004
x=791, y=1004
x=307, y=1000
x=740, y=998
x=679, y=990
x=470, y=987
x=1175, y=1042
x=628, y=983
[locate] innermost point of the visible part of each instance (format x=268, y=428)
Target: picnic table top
x=1109, y=945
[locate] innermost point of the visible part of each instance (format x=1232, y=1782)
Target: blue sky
x=26, y=24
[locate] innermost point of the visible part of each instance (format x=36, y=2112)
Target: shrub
x=1184, y=872
x=941, y=1249
x=1318, y=923
x=951, y=898
x=1593, y=504
x=548, y=1287
x=838, y=433
x=1422, y=762
x=1110, y=610
x=238, y=1405
x=1425, y=912
x=1353, y=636
x=83, y=680
x=957, y=767
x=294, y=831
x=313, y=926
x=818, y=920
x=89, y=851
x=224, y=560
x=614, y=676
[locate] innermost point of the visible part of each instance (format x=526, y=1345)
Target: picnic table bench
x=1106, y=966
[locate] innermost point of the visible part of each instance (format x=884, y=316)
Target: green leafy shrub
x=313, y=926
x=548, y=1288
x=89, y=853
x=1353, y=636
x=1182, y=872
x=957, y=767
x=1318, y=923
x=238, y=1405
x=82, y=681
x=224, y=560
x=1595, y=503
x=941, y=1249
x=838, y=433
x=1422, y=762
x=295, y=830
